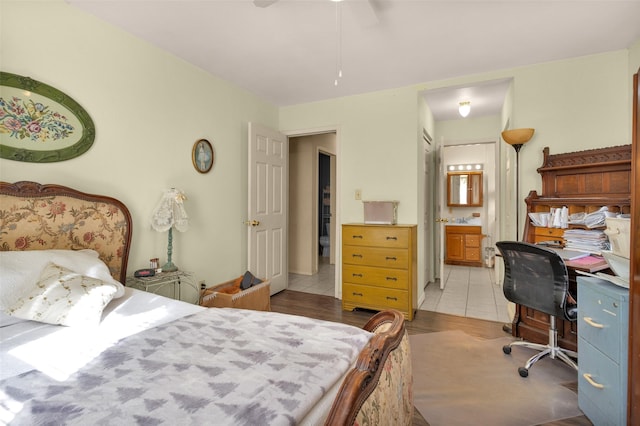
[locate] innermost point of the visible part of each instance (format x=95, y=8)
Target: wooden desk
x=582, y=181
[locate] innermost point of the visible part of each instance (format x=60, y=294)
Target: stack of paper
x=591, y=220
x=592, y=241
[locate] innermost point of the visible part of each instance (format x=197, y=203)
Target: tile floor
x=321, y=283
x=469, y=291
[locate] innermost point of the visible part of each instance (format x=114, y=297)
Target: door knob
x=252, y=222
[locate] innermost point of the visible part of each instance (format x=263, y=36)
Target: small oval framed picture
x=202, y=155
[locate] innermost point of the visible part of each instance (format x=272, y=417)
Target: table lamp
x=169, y=214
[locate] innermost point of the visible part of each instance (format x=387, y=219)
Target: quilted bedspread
x=219, y=366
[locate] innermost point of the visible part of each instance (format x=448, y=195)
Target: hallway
x=469, y=292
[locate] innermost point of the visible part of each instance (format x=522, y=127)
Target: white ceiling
x=287, y=53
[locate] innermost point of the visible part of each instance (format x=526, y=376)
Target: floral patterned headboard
x=38, y=217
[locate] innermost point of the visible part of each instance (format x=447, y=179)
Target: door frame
x=337, y=242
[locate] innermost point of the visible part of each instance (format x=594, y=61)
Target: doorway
x=464, y=290
x=312, y=212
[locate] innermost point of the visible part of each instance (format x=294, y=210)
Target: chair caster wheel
x=523, y=372
x=506, y=349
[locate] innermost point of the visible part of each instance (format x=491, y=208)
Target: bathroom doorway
x=324, y=204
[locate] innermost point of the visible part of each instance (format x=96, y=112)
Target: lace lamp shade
x=170, y=212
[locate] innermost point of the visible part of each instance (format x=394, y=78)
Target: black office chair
x=537, y=277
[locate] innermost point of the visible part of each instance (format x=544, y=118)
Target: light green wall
x=149, y=107
x=376, y=146
x=468, y=130
x=574, y=104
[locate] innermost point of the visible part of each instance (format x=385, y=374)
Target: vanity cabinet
x=603, y=313
x=464, y=244
x=379, y=267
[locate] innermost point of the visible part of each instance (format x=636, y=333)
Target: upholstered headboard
x=38, y=217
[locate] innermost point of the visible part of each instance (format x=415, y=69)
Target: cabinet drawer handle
x=391, y=258
x=592, y=382
x=357, y=275
x=392, y=279
x=392, y=298
x=356, y=255
x=592, y=323
x=357, y=294
x=392, y=238
x=357, y=236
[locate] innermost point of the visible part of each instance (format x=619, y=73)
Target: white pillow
x=20, y=269
x=62, y=296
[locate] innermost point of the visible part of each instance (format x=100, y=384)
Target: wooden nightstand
x=161, y=281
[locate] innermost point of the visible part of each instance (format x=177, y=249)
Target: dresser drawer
x=601, y=398
x=382, y=236
x=373, y=256
x=379, y=277
x=369, y=296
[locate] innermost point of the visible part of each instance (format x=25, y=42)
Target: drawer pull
x=357, y=255
x=592, y=382
x=357, y=294
x=357, y=275
x=392, y=238
x=392, y=298
x=357, y=236
x=391, y=258
x=392, y=279
x=592, y=323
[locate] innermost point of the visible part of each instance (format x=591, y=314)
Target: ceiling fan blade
x=263, y=3
x=370, y=13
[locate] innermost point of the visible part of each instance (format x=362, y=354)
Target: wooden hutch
x=583, y=181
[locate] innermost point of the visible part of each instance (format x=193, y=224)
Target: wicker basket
x=257, y=298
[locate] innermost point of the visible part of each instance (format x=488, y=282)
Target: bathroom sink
x=468, y=222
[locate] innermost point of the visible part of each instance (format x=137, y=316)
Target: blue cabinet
x=603, y=329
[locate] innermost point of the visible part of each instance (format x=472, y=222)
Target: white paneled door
x=267, y=205
x=442, y=173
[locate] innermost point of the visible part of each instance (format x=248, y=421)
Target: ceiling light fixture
x=338, y=42
x=464, y=108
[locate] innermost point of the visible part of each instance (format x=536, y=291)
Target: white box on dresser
x=603, y=332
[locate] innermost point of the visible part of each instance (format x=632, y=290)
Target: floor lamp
x=516, y=138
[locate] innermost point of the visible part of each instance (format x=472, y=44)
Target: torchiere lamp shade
x=517, y=137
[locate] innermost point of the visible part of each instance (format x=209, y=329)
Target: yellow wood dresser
x=379, y=267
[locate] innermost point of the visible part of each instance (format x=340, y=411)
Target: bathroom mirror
x=464, y=189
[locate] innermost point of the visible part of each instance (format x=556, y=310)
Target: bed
x=78, y=347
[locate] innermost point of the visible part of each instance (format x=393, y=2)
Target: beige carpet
x=463, y=380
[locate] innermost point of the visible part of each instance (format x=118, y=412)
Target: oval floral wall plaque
x=40, y=124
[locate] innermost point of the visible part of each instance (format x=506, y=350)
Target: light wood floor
x=328, y=308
